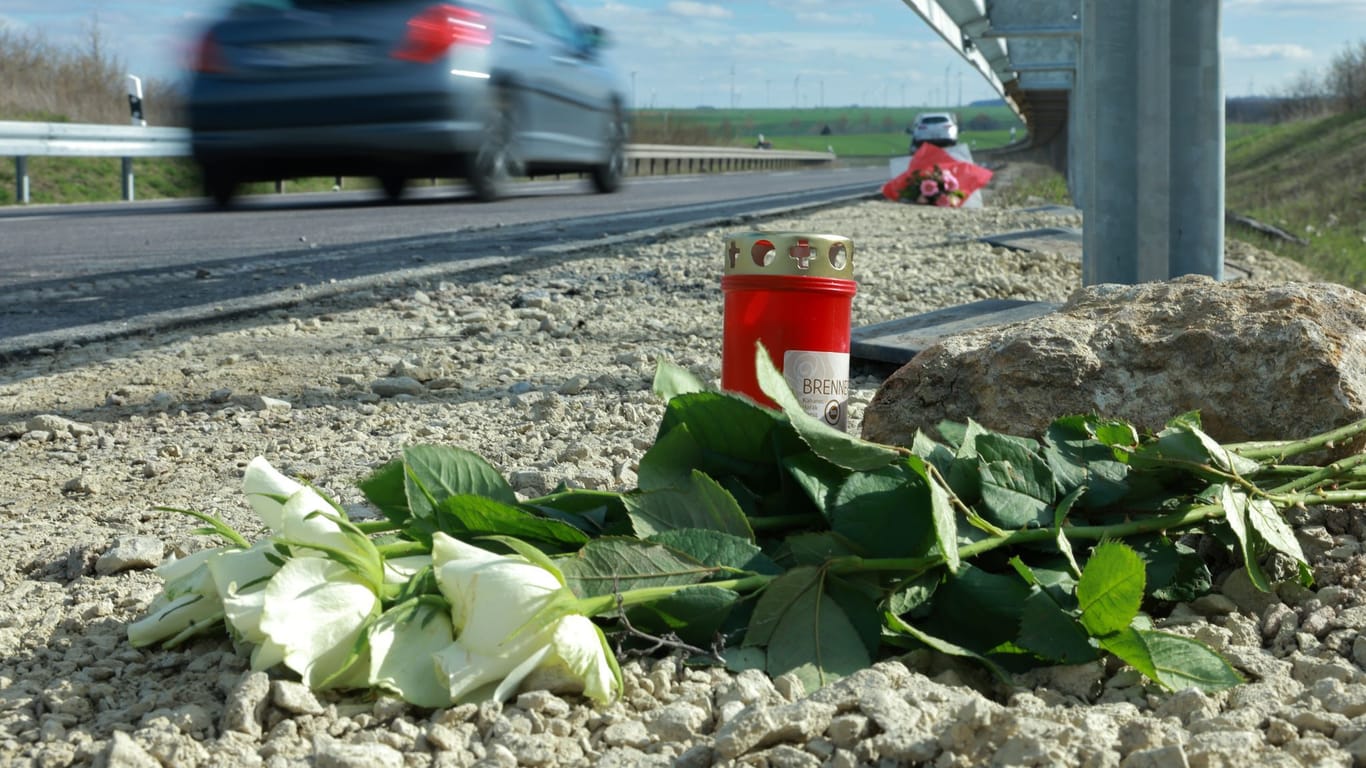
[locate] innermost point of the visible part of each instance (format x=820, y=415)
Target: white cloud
x=696, y=10
x=1235, y=49
x=825, y=18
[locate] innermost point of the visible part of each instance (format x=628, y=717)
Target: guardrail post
x=126, y=164
x=21, y=179
x=1153, y=148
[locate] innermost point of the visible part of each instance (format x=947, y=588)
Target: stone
x=397, y=385
x=245, y=707
x=263, y=403
x=125, y=753
x=294, y=697
x=46, y=422
x=331, y=753
x=130, y=552
x=678, y=721
x=1260, y=361
x=1170, y=756
x=798, y=722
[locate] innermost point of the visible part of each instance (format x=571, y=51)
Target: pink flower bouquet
x=934, y=177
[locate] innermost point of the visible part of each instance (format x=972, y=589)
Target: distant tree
x=842, y=123
x=1346, y=78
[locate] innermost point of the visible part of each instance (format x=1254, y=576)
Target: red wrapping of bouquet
x=970, y=177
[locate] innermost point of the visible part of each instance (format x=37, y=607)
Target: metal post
x=21, y=180
x=1152, y=140
x=127, y=173
x=1197, y=118
x=1108, y=80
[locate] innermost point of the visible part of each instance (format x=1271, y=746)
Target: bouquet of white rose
x=762, y=535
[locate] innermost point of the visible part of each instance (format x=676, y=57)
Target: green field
x=851, y=131
x=1307, y=177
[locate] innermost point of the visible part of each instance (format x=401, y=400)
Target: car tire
x=220, y=185
x=393, y=186
x=491, y=166
x=607, y=176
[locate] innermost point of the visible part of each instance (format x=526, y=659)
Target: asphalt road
x=72, y=274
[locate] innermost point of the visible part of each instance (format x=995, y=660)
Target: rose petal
x=168, y=619
x=491, y=596
x=315, y=609
x=403, y=645
x=399, y=570
x=261, y=482
x=580, y=662
x=297, y=525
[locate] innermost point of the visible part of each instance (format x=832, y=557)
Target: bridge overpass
x=1126, y=98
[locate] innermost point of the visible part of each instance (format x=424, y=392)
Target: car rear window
x=933, y=119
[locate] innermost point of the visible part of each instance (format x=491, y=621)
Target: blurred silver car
x=404, y=89
x=940, y=128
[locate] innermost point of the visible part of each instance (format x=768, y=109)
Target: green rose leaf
x=813, y=548
x=1049, y=631
x=704, y=505
x=817, y=478
x=869, y=505
x=694, y=614
x=672, y=381
x=718, y=549
x=1081, y=461
x=897, y=624
x=1236, y=515
x=1129, y=647
x=1183, y=444
x=670, y=462
x=833, y=445
x=469, y=517
x=1263, y=518
x=734, y=435
x=1111, y=588
x=805, y=630
x=942, y=517
x=1175, y=572
x=433, y=473
x=1184, y=662
x=386, y=489
x=615, y=564
x=977, y=609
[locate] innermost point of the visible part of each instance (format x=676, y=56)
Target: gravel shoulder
x=546, y=372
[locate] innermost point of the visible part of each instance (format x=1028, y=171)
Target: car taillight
x=439, y=28
x=208, y=56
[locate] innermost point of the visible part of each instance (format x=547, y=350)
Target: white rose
x=188, y=602
x=494, y=600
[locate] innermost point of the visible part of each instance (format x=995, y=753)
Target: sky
x=754, y=53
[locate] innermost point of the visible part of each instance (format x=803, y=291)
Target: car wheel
x=220, y=185
x=492, y=165
x=393, y=186
x=607, y=176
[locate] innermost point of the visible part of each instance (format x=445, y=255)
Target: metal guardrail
x=22, y=140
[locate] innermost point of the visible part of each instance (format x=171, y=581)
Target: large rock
x=1260, y=361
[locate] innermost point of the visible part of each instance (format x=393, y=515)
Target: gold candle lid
x=789, y=253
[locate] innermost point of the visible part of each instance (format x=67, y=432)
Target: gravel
x=546, y=371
